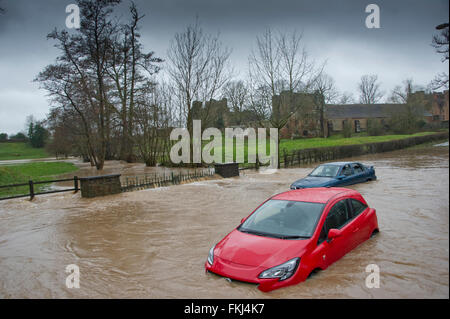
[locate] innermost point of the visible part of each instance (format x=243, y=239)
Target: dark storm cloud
x=333, y=31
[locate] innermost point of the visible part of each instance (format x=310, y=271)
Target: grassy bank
x=333, y=141
x=339, y=140
x=22, y=173
x=337, y=152
x=21, y=150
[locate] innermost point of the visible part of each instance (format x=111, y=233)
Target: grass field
x=21, y=150
x=22, y=173
x=335, y=140
x=339, y=140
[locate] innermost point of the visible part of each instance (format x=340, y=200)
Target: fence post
x=75, y=183
x=31, y=189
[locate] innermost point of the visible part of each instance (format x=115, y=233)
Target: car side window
x=347, y=170
x=358, y=169
x=337, y=216
x=357, y=207
x=323, y=235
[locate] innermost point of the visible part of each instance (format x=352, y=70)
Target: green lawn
x=21, y=150
x=335, y=140
x=339, y=140
x=22, y=173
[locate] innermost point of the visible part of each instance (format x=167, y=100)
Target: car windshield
x=283, y=219
x=325, y=171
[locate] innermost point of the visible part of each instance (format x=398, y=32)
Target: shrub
x=347, y=129
x=374, y=127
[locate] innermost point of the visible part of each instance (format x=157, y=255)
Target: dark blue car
x=336, y=174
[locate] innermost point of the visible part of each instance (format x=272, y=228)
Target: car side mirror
x=333, y=233
x=340, y=177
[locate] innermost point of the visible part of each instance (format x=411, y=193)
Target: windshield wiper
x=248, y=231
x=294, y=237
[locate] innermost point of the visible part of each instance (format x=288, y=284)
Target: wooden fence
x=31, y=189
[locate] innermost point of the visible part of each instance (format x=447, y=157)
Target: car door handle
x=355, y=230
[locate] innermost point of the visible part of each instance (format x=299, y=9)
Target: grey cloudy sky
x=334, y=30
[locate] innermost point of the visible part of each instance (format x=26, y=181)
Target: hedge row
x=312, y=155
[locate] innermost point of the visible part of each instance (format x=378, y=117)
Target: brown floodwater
x=153, y=243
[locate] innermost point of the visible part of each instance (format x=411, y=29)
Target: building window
x=357, y=126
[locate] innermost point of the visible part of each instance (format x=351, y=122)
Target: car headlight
x=211, y=255
x=283, y=271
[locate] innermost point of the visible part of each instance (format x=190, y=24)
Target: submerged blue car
x=336, y=174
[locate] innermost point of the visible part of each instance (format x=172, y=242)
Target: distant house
x=305, y=121
x=439, y=108
x=358, y=115
x=432, y=108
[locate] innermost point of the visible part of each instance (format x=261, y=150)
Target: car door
x=328, y=251
x=347, y=173
x=361, y=228
x=358, y=173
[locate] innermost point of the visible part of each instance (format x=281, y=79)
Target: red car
x=293, y=234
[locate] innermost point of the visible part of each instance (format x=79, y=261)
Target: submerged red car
x=291, y=235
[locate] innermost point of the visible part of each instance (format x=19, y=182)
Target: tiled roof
x=342, y=111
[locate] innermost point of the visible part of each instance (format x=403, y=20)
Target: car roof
x=340, y=163
x=313, y=195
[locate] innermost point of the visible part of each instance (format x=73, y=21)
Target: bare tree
x=401, y=93
x=346, y=98
x=99, y=75
x=197, y=65
x=439, y=81
x=264, y=63
x=325, y=92
x=129, y=68
x=296, y=67
x=78, y=79
x=407, y=117
x=369, y=90
x=153, y=119
x=237, y=94
x=280, y=63
x=441, y=43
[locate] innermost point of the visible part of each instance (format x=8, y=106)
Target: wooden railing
x=31, y=189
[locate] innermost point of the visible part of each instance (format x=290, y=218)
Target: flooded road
x=153, y=243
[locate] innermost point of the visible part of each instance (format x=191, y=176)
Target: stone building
x=214, y=113
x=313, y=118
x=439, y=108
x=303, y=113
x=357, y=115
x=307, y=114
